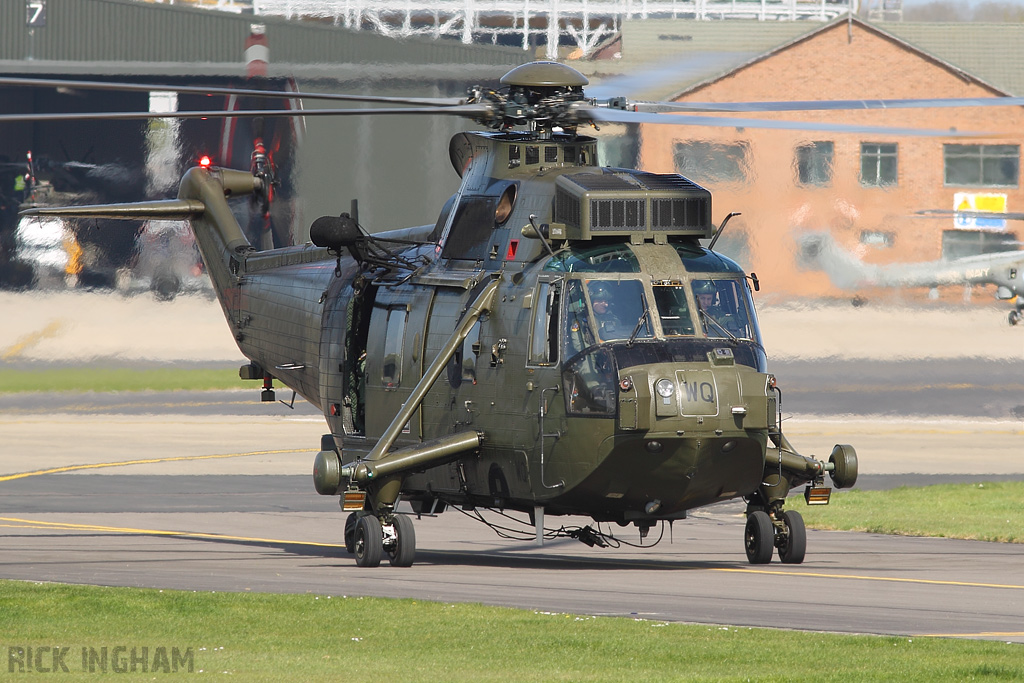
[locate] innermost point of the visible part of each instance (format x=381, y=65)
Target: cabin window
x=544, y=330
x=674, y=310
x=532, y=155
x=814, y=163
x=550, y=155
x=982, y=165
x=394, y=341
x=722, y=307
x=878, y=164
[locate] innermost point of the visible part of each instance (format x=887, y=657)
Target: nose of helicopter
x=685, y=436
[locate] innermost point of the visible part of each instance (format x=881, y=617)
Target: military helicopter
x=557, y=342
x=1004, y=269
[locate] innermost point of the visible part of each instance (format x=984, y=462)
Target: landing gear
x=759, y=537
x=1014, y=317
x=786, y=532
x=792, y=544
x=402, y=548
x=350, y=532
x=369, y=540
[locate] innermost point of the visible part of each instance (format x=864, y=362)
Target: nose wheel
x=787, y=533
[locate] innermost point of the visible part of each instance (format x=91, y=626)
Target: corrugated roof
x=118, y=36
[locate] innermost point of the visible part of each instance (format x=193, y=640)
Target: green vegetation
x=118, y=379
x=985, y=512
x=257, y=637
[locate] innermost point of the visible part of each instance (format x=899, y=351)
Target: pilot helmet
x=600, y=293
x=705, y=287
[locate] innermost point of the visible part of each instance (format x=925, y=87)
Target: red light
x=205, y=161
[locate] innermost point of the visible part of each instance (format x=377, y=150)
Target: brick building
x=868, y=190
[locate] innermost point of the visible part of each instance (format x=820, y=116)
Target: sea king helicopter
x=557, y=342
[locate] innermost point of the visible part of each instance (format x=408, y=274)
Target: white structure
x=583, y=23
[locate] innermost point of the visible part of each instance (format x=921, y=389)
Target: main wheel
x=759, y=537
x=1014, y=317
x=350, y=532
x=369, y=541
x=403, y=552
x=794, y=548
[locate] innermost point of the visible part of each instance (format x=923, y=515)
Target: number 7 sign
x=35, y=13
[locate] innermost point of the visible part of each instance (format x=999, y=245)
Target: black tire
x=350, y=532
x=794, y=548
x=369, y=541
x=404, y=552
x=759, y=537
x=1014, y=317
x=844, y=473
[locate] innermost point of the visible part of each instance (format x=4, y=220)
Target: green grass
x=118, y=379
x=262, y=637
x=985, y=512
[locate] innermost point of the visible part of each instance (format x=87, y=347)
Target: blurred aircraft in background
x=1004, y=269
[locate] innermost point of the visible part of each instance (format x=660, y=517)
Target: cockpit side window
x=722, y=309
x=578, y=333
x=674, y=310
x=544, y=330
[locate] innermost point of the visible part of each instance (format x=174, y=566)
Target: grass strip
x=989, y=511
x=266, y=637
x=118, y=379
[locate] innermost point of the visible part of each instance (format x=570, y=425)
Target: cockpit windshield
x=724, y=309
x=673, y=309
x=619, y=309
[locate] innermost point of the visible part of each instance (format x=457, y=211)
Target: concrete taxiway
x=225, y=502
x=211, y=491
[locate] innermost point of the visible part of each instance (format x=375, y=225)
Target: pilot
x=707, y=297
x=608, y=324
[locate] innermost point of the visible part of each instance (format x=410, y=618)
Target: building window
x=712, y=162
x=814, y=163
x=982, y=165
x=878, y=164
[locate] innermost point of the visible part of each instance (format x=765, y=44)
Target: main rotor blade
x=466, y=110
x=202, y=90
x=829, y=105
x=948, y=213
x=621, y=116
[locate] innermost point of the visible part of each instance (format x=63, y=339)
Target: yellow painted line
x=149, y=461
x=30, y=339
x=38, y=524
x=859, y=577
